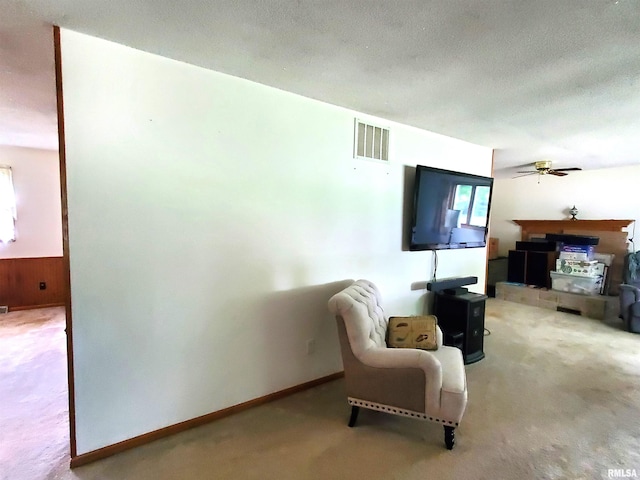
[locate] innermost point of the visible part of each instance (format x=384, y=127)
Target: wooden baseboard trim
x=134, y=442
x=33, y=307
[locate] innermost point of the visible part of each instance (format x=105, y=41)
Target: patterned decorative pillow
x=417, y=331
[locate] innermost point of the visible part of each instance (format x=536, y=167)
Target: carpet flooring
x=557, y=397
x=34, y=419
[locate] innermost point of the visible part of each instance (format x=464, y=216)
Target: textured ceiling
x=542, y=79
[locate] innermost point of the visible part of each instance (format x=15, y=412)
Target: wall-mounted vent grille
x=371, y=141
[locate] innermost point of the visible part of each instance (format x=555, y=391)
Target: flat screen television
x=450, y=209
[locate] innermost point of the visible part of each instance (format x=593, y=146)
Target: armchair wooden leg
x=449, y=437
x=354, y=415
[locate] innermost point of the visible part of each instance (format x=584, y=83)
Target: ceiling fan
x=543, y=167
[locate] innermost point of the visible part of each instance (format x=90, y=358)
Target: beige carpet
x=557, y=397
x=34, y=419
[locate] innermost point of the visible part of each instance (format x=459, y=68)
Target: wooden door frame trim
x=486, y=260
x=65, y=240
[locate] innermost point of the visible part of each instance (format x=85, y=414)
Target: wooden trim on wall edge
x=57, y=51
x=486, y=262
x=104, y=452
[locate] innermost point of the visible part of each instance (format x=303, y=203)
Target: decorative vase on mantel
x=573, y=211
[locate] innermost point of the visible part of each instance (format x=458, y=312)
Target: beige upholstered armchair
x=427, y=385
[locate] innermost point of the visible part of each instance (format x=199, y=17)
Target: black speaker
x=450, y=283
x=461, y=319
x=517, y=266
x=569, y=239
x=537, y=246
x=539, y=264
x=474, y=336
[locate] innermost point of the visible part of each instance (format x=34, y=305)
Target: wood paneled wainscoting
x=32, y=282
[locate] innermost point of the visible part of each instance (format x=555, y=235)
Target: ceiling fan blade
x=572, y=169
x=526, y=171
x=557, y=173
x=525, y=174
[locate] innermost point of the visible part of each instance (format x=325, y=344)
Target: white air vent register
x=370, y=141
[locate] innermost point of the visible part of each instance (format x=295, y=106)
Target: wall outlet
x=311, y=346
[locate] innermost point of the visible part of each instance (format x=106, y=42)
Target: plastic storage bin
x=575, y=284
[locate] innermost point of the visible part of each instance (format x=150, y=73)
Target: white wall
x=36, y=180
x=609, y=193
x=209, y=221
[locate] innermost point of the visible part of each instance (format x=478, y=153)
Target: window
x=7, y=206
x=473, y=203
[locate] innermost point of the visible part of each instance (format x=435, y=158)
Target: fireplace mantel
x=537, y=227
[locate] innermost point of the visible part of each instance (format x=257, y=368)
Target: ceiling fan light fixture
x=543, y=166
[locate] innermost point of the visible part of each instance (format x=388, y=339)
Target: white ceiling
x=543, y=79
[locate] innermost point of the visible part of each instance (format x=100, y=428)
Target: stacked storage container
x=577, y=271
